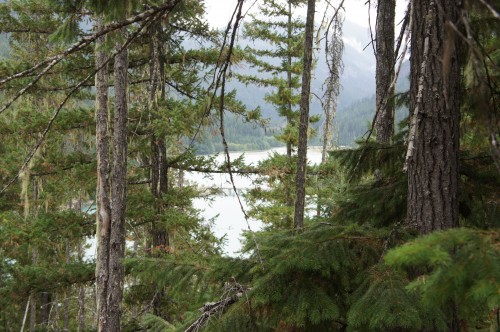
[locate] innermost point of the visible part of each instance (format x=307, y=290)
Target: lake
x=225, y=209
x=229, y=219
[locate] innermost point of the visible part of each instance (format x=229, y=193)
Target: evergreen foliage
x=355, y=266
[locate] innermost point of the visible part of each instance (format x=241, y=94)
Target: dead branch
x=233, y=291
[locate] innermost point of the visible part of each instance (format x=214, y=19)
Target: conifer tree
x=284, y=33
x=279, y=68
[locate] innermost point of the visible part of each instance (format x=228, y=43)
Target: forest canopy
x=107, y=107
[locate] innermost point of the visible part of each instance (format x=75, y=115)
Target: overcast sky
x=219, y=11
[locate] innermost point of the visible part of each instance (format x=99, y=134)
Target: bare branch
x=233, y=291
x=495, y=12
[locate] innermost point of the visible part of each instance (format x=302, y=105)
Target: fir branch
x=50, y=62
x=31, y=154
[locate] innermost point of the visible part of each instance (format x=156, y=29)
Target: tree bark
x=159, y=168
x=432, y=159
x=45, y=307
x=67, y=294
x=384, y=122
x=300, y=179
x=81, y=290
x=118, y=192
x=289, y=118
x=103, y=214
x=289, y=81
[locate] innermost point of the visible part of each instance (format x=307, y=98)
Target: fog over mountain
x=357, y=81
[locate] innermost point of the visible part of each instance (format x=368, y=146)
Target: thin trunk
x=25, y=313
x=135, y=249
x=118, y=192
x=56, y=314
x=435, y=103
x=300, y=179
x=66, y=296
x=384, y=123
x=34, y=253
x=81, y=291
x=45, y=307
x=289, y=118
x=289, y=81
x=159, y=171
x=103, y=214
x=32, y=311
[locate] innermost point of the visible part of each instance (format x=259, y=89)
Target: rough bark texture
x=103, y=214
x=118, y=192
x=384, y=123
x=435, y=104
x=300, y=179
x=159, y=168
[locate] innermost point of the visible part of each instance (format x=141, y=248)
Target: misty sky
x=219, y=11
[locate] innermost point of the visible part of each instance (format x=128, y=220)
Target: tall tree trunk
x=432, y=159
x=118, y=192
x=159, y=171
x=103, y=214
x=34, y=249
x=45, y=307
x=55, y=324
x=32, y=311
x=384, y=122
x=289, y=81
x=66, y=293
x=81, y=288
x=433, y=146
x=300, y=179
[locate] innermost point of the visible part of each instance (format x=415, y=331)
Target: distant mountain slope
x=357, y=81
x=356, y=107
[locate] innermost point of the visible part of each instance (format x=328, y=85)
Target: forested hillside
x=107, y=109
